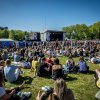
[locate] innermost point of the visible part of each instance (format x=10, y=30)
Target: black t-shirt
x=57, y=74
x=36, y=53
x=41, y=55
x=41, y=71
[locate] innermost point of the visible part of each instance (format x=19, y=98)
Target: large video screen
x=33, y=36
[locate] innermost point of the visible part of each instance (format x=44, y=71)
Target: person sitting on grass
x=97, y=77
x=24, y=64
x=97, y=82
x=49, y=60
x=12, y=94
x=17, y=57
x=83, y=68
x=35, y=64
x=75, y=53
x=41, y=54
x=57, y=71
x=93, y=59
x=2, y=62
x=60, y=92
x=43, y=69
x=11, y=72
x=5, y=55
x=1, y=58
x=3, y=94
x=70, y=64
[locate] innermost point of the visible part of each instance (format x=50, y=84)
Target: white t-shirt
x=93, y=60
x=2, y=92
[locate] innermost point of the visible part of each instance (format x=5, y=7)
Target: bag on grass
x=24, y=95
x=21, y=96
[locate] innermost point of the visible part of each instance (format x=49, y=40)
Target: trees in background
x=78, y=32
x=95, y=30
x=82, y=31
x=13, y=34
x=4, y=33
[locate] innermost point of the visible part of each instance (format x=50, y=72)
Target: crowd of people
x=42, y=59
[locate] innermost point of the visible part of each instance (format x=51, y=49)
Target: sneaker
x=24, y=95
x=97, y=95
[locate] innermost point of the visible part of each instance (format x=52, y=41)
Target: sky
x=37, y=15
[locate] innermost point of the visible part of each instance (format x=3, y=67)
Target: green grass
x=82, y=85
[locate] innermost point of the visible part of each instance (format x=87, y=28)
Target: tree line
x=82, y=31
x=13, y=34
x=78, y=32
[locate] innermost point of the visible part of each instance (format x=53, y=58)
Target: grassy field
x=82, y=85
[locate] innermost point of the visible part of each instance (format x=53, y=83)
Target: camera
x=47, y=89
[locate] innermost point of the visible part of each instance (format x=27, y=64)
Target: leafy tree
x=68, y=31
x=82, y=31
x=5, y=33
x=20, y=34
x=12, y=35
x=96, y=30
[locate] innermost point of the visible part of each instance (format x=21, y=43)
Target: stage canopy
x=52, y=35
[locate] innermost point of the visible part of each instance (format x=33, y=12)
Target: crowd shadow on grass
x=47, y=77
x=69, y=78
x=91, y=72
x=66, y=78
x=27, y=79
